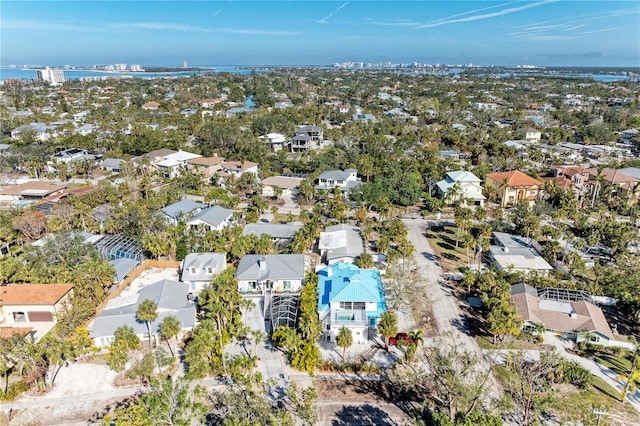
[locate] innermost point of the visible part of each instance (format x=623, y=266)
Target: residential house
x=181, y=211
x=207, y=166
x=290, y=185
x=40, y=131
x=509, y=188
x=575, y=178
x=626, y=136
x=85, y=129
x=29, y=191
x=350, y=297
x=113, y=165
x=514, y=254
x=280, y=233
x=211, y=219
x=363, y=118
x=210, y=103
x=461, y=185
x=340, y=243
x=171, y=298
x=622, y=184
x=271, y=272
x=33, y=306
x=276, y=141
x=197, y=269
x=530, y=135
x=151, y=106
x=171, y=164
x=569, y=313
x=307, y=138
x=343, y=179
x=238, y=168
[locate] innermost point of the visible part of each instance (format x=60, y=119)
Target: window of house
x=253, y=284
x=359, y=305
x=193, y=270
x=286, y=285
x=340, y=182
x=346, y=305
x=210, y=270
x=19, y=317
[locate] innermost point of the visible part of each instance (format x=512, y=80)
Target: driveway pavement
x=449, y=319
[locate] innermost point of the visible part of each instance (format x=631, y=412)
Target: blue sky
x=539, y=32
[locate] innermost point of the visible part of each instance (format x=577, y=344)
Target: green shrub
x=14, y=390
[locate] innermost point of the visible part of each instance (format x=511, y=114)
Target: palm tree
x=147, y=312
x=344, y=339
x=388, y=327
x=169, y=328
x=632, y=381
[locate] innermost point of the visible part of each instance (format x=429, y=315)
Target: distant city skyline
x=171, y=33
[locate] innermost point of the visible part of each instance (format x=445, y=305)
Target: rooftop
x=33, y=294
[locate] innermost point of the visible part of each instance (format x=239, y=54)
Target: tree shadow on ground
x=367, y=414
x=451, y=257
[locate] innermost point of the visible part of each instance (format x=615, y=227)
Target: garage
x=40, y=316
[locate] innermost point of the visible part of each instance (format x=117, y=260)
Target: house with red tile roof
x=622, y=184
x=151, y=106
x=509, y=188
x=34, y=306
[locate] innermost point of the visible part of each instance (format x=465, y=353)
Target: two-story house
x=214, y=218
x=197, y=269
x=181, y=211
x=238, y=168
x=307, y=138
x=350, y=297
x=509, y=188
x=259, y=273
x=461, y=185
x=343, y=179
x=33, y=306
x=530, y=135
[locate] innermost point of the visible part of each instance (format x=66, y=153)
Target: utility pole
x=599, y=413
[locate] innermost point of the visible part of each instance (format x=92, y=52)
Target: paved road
x=447, y=314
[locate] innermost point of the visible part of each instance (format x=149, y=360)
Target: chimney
x=573, y=314
x=505, y=249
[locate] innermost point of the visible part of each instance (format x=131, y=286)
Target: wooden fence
x=135, y=273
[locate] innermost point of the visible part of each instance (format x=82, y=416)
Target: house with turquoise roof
x=350, y=297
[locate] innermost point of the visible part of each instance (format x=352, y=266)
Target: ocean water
x=31, y=74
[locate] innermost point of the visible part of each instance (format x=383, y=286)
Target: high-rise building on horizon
x=53, y=76
x=185, y=64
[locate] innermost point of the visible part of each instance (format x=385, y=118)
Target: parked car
x=401, y=337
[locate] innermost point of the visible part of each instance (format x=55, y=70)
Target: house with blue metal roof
x=350, y=297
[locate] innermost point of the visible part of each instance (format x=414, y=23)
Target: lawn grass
x=443, y=242
x=617, y=363
x=486, y=342
x=577, y=405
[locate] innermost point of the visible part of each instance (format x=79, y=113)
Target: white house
x=461, y=185
x=531, y=135
x=278, y=272
x=340, y=243
x=197, y=269
x=238, y=168
x=211, y=219
x=170, y=164
x=350, y=297
x=276, y=141
x=513, y=253
x=343, y=179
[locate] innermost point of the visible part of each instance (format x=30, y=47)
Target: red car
x=401, y=337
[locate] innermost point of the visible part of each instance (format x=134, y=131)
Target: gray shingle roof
x=202, y=262
x=170, y=297
x=182, y=207
x=213, y=216
x=280, y=231
x=276, y=267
